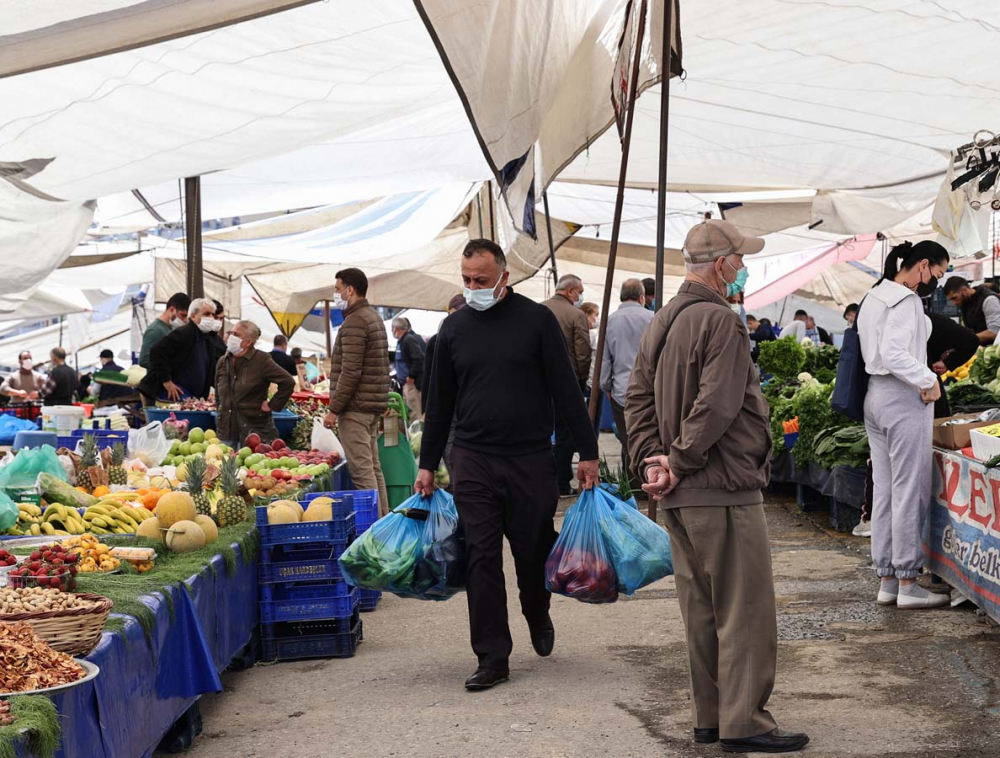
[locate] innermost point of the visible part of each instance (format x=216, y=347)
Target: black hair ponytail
x=906, y=255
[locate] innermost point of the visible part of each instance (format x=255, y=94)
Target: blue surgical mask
x=484, y=299
x=736, y=286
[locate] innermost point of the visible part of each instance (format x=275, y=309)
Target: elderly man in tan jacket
x=565, y=304
x=359, y=382
x=700, y=436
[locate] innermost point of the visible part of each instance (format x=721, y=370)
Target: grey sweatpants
x=900, y=429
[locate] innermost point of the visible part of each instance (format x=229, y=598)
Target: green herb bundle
x=812, y=405
x=782, y=358
x=847, y=446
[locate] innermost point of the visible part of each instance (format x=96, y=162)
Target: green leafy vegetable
x=783, y=358
x=847, y=446
x=822, y=358
x=970, y=393
x=986, y=366
x=812, y=405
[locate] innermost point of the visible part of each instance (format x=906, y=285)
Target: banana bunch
x=56, y=520
x=109, y=517
x=29, y=516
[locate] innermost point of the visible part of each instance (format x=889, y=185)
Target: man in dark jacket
x=500, y=365
x=62, y=382
x=980, y=307
x=180, y=364
x=359, y=383
x=411, y=347
x=699, y=430
x=456, y=303
x=280, y=354
x=565, y=305
x=111, y=391
x=949, y=346
x=243, y=377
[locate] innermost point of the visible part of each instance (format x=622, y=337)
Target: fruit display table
x=962, y=536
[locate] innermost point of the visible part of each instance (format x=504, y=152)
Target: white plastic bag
x=325, y=440
x=149, y=444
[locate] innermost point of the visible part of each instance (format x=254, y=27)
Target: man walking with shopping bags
x=500, y=368
x=359, y=383
x=699, y=435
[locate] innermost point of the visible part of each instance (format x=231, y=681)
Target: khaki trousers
x=411, y=395
x=722, y=565
x=359, y=436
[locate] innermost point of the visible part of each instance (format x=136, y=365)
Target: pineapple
x=88, y=458
x=196, y=485
x=231, y=508
x=117, y=473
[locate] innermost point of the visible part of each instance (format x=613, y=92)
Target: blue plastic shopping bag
x=639, y=548
x=580, y=565
x=418, y=550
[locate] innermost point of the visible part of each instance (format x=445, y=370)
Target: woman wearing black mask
x=899, y=416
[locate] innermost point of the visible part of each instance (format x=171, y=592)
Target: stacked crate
x=307, y=610
x=366, y=514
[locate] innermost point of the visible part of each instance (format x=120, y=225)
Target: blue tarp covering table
x=962, y=534
x=126, y=711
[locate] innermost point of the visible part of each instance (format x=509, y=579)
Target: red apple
x=252, y=441
x=278, y=444
x=262, y=448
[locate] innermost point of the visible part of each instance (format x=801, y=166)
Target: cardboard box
x=957, y=436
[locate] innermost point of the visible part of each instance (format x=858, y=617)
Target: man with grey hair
x=410, y=349
x=699, y=433
x=62, y=380
x=621, y=343
x=181, y=364
x=243, y=377
x=565, y=305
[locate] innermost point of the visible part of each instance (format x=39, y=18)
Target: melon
x=296, y=508
x=174, y=507
x=278, y=513
x=150, y=529
x=184, y=537
x=320, y=509
x=160, y=482
x=213, y=453
x=208, y=527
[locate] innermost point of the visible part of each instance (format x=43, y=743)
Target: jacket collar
x=363, y=302
x=700, y=291
x=891, y=293
x=250, y=353
x=629, y=304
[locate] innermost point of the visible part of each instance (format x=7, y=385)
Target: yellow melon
x=174, y=507
x=150, y=529
x=296, y=508
x=320, y=509
x=208, y=527
x=184, y=537
x=278, y=513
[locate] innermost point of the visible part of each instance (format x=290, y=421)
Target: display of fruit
x=209, y=527
x=6, y=559
x=279, y=512
x=53, y=566
x=174, y=507
x=184, y=537
x=112, y=517
x=232, y=509
x=195, y=485
x=117, y=474
x=88, y=460
x=150, y=529
x=143, y=558
x=320, y=509
x=29, y=519
x=38, y=665
x=268, y=486
x=93, y=554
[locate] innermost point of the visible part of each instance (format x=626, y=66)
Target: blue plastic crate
x=337, y=530
x=105, y=438
x=342, y=645
x=369, y=599
x=309, y=600
x=343, y=502
x=303, y=562
x=313, y=628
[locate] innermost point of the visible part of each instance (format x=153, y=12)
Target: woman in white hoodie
x=899, y=416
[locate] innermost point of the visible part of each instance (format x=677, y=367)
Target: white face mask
x=176, y=322
x=484, y=299
x=217, y=327
x=234, y=344
x=339, y=302
x=26, y=364
x=207, y=324
x=578, y=303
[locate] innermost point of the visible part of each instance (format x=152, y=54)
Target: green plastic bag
x=23, y=471
x=8, y=513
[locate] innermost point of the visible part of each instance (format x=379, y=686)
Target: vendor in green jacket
x=243, y=377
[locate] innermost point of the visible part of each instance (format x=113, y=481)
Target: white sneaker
x=886, y=598
x=863, y=529
x=924, y=599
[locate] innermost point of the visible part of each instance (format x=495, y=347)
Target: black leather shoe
x=485, y=678
x=706, y=736
x=775, y=741
x=543, y=639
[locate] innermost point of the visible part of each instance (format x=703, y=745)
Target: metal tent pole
x=192, y=237
x=329, y=329
x=596, y=394
x=552, y=245
x=661, y=202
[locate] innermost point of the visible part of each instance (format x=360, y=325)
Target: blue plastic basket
x=343, y=502
x=369, y=600
x=340, y=645
x=284, y=422
x=337, y=530
x=197, y=419
x=306, y=600
x=302, y=562
x=312, y=628
x=105, y=438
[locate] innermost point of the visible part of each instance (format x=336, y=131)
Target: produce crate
x=301, y=601
x=340, y=645
x=284, y=422
x=337, y=530
x=984, y=445
x=369, y=599
x=29, y=411
x=200, y=419
x=343, y=502
x=280, y=630
x=302, y=562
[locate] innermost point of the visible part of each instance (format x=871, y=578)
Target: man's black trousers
x=497, y=496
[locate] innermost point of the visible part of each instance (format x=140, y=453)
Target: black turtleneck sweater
x=500, y=372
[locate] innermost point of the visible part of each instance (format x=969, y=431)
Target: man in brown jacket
x=565, y=304
x=242, y=379
x=359, y=382
x=698, y=426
